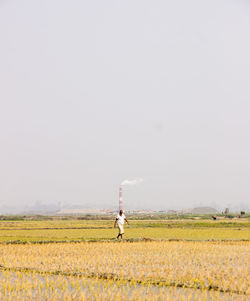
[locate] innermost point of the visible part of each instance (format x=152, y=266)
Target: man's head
x=121, y=211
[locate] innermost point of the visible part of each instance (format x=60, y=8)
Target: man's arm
x=126, y=221
x=115, y=223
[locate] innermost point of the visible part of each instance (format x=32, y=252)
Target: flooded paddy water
x=35, y=286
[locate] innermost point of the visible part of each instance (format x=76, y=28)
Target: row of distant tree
x=227, y=212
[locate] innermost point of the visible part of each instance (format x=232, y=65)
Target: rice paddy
x=75, y=230
x=177, y=260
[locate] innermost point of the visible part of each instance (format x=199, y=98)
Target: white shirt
x=120, y=218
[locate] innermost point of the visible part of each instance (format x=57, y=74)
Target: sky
x=96, y=92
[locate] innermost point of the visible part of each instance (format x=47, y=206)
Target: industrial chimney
x=120, y=199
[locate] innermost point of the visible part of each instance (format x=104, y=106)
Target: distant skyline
x=39, y=207
x=96, y=92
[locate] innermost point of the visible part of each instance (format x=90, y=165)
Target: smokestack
x=120, y=199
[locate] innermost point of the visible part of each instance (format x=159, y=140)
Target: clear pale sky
x=95, y=92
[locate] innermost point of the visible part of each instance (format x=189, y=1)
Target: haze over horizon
x=96, y=92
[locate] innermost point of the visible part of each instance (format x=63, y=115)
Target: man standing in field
x=120, y=218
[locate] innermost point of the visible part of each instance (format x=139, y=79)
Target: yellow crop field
x=77, y=230
x=216, y=266
x=131, y=233
x=156, y=260
x=43, y=286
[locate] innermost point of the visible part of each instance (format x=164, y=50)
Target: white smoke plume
x=132, y=182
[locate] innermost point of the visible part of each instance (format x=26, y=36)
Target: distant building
x=80, y=211
x=172, y=212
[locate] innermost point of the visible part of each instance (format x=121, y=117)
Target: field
x=89, y=230
x=157, y=260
